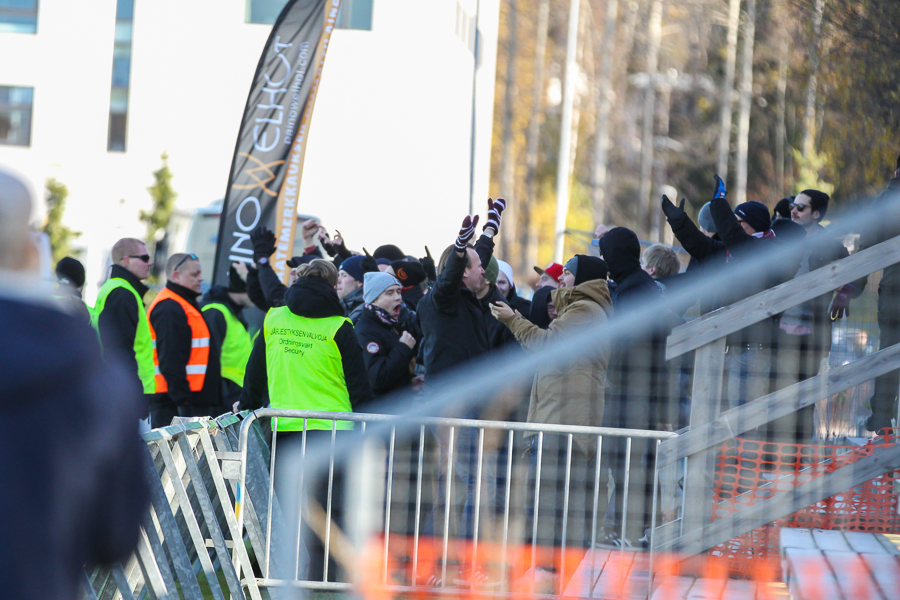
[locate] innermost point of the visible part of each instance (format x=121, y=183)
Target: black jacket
x=218, y=329
x=74, y=485
x=313, y=298
x=498, y=333
x=119, y=320
x=518, y=303
x=412, y=295
x=353, y=304
x=538, y=313
x=644, y=395
x=387, y=360
x=452, y=318
x=173, y=345
x=742, y=246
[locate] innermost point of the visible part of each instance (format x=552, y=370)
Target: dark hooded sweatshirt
x=313, y=298
x=644, y=396
x=538, y=313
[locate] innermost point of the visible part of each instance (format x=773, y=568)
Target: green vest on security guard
x=236, y=347
x=304, y=368
x=143, y=343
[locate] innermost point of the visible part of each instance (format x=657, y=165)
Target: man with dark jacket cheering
x=188, y=371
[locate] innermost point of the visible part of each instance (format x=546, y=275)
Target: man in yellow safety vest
x=223, y=309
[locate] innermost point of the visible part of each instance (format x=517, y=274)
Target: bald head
x=17, y=250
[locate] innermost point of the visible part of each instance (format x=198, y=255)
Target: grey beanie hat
x=705, y=219
x=375, y=284
x=572, y=265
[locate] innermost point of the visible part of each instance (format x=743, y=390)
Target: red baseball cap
x=554, y=270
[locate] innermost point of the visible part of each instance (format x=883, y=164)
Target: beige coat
x=571, y=392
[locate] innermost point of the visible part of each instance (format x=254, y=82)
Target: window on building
x=353, y=14
x=15, y=115
x=18, y=16
x=121, y=77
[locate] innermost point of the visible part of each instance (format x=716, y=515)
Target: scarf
x=760, y=235
x=383, y=315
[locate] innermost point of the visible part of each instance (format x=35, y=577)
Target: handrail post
x=699, y=477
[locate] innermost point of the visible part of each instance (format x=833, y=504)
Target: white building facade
x=94, y=95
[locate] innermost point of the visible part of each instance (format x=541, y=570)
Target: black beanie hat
x=408, y=272
x=755, y=214
x=300, y=260
x=590, y=268
x=236, y=285
x=71, y=270
x=390, y=252
x=783, y=208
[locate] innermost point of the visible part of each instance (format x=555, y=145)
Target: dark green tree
x=59, y=234
x=163, y=200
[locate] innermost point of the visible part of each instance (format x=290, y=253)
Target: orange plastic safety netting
x=750, y=471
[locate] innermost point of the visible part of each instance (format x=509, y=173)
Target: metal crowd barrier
x=212, y=483
x=187, y=543
x=408, y=525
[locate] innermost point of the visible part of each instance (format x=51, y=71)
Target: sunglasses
x=143, y=257
x=182, y=261
x=799, y=207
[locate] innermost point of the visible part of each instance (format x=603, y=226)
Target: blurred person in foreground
x=74, y=488
x=187, y=359
x=566, y=392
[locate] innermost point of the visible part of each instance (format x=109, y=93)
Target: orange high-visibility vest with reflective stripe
x=199, y=358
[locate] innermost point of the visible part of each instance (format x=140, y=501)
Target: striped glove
x=495, y=209
x=466, y=232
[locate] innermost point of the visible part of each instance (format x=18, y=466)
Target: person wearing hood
x=388, y=347
x=264, y=287
x=187, y=361
x=507, y=289
x=308, y=357
x=311, y=330
x=223, y=309
x=569, y=392
x=542, y=310
x=645, y=393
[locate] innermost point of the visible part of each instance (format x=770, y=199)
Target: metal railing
x=386, y=525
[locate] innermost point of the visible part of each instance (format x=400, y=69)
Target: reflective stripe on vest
x=304, y=368
x=143, y=342
x=199, y=357
x=236, y=346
